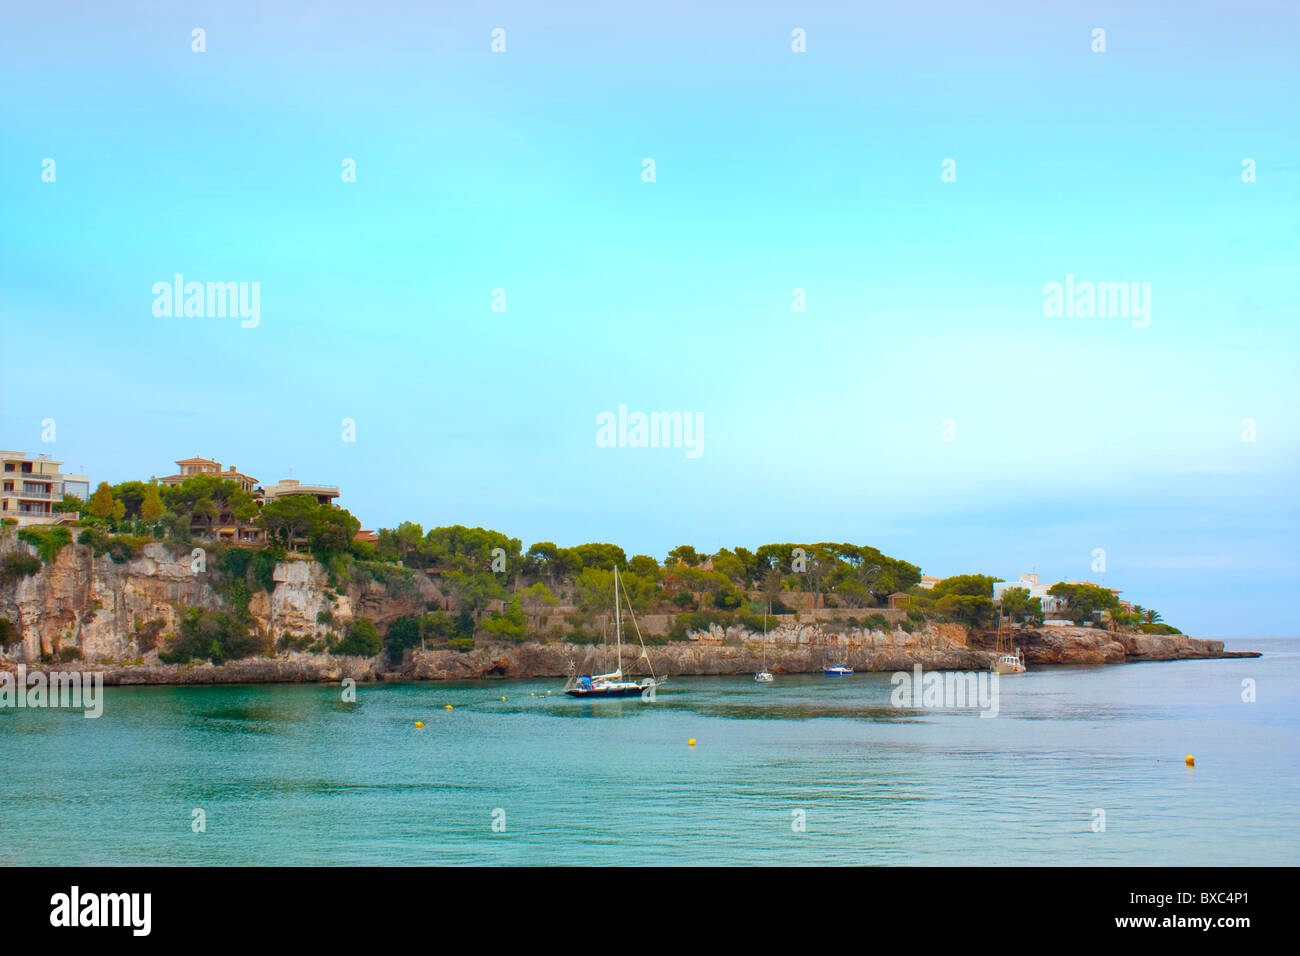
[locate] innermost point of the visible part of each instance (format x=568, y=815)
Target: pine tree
x=151, y=509
x=101, y=502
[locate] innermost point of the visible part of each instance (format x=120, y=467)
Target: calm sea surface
x=290, y=774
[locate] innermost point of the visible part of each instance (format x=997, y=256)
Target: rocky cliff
x=115, y=617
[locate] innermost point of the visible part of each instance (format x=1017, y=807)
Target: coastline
x=527, y=660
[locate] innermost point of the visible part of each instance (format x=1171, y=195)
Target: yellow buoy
x=691, y=741
x=447, y=706
x=1191, y=761
x=419, y=723
x=503, y=698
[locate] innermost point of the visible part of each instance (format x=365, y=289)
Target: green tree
x=509, y=625
x=290, y=519
x=535, y=597
x=644, y=566
x=151, y=506
x=473, y=591
x=334, y=531
x=686, y=555
x=1019, y=606
x=1083, y=602
x=101, y=502
x=600, y=555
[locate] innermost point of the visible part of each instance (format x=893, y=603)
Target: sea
x=1081, y=766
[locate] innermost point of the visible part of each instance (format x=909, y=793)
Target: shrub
x=579, y=635
x=147, y=632
x=120, y=548
x=215, y=636
x=18, y=564
x=48, y=542
x=403, y=633
x=362, y=639
x=509, y=625
x=294, y=642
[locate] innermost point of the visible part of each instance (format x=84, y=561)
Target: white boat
x=1011, y=663
x=1010, y=660
x=614, y=684
x=764, y=676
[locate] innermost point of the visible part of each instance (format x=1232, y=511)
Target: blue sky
x=774, y=171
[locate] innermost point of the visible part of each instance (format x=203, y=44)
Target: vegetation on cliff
x=491, y=587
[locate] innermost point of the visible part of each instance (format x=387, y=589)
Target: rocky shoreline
x=106, y=612
x=1048, y=646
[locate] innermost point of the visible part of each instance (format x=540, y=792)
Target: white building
x=1030, y=583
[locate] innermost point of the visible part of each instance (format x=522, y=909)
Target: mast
x=618, y=623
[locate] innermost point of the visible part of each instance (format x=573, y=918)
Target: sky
x=922, y=402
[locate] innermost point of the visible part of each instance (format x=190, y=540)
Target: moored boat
x=614, y=684
x=1009, y=660
x=764, y=676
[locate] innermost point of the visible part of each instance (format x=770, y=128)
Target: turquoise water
x=290, y=774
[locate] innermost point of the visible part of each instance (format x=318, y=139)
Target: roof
x=196, y=461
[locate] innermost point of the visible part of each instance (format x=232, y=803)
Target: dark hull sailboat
x=612, y=690
x=600, y=686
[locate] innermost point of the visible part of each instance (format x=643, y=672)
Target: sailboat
x=764, y=676
x=613, y=684
x=1009, y=661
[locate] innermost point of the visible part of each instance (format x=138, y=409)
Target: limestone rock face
x=116, y=614
x=108, y=610
x=96, y=605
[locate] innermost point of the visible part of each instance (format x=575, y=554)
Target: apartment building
x=324, y=494
x=31, y=485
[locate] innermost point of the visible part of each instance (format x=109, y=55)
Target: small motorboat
x=837, y=670
x=1010, y=663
